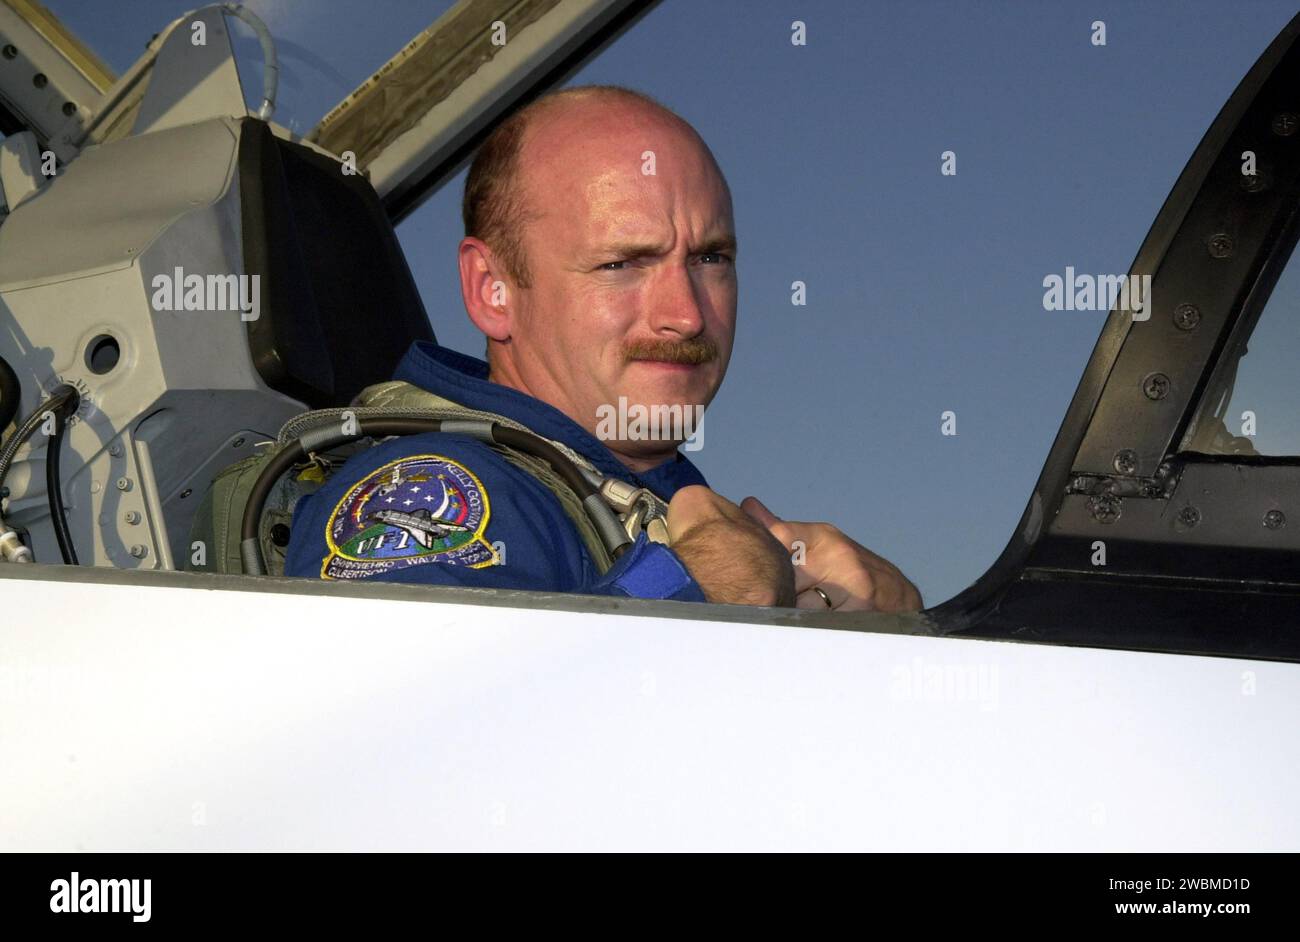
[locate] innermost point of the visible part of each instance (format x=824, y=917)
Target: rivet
x=1275, y=520
x=1156, y=386
x=1254, y=182
x=1189, y=516
x=10, y=51
x=39, y=80
x=1220, y=245
x=115, y=450
x=123, y=484
x=1105, y=508
x=139, y=552
x=1126, y=461
x=1285, y=124
x=1187, y=316
x=132, y=516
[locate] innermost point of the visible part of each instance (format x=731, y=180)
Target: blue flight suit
x=445, y=509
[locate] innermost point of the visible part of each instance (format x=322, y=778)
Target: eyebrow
x=722, y=243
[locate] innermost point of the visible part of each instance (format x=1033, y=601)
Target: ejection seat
x=192, y=188
x=338, y=304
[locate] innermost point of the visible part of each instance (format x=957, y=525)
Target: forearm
x=727, y=576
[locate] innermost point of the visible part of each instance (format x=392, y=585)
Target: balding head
x=598, y=259
x=495, y=206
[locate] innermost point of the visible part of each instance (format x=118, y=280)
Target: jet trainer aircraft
x=141, y=719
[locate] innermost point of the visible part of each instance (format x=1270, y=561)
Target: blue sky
x=924, y=291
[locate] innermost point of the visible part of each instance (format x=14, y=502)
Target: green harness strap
x=214, y=535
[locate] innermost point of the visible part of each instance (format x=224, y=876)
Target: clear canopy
x=326, y=47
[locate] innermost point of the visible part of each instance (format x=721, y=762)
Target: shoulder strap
x=214, y=534
x=405, y=398
x=216, y=523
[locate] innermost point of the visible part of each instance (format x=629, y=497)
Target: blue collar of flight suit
x=463, y=379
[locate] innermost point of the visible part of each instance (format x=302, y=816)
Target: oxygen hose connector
x=638, y=508
x=12, y=549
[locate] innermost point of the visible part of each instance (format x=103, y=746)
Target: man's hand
x=853, y=577
x=734, y=559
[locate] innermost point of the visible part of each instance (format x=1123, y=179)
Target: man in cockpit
x=599, y=262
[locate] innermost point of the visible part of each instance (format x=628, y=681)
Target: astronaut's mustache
x=693, y=351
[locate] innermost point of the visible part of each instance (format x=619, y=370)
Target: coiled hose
x=62, y=402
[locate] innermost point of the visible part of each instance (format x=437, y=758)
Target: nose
x=674, y=303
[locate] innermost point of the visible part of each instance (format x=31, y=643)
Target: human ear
x=485, y=289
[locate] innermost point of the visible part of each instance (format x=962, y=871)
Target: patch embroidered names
x=415, y=510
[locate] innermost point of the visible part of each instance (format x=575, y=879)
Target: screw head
x=1105, y=508
x=1156, y=386
x=39, y=80
x=1189, y=516
x=123, y=484
x=1126, y=461
x=1187, y=316
x=1220, y=245
x=139, y=551
x=1285, y=124
x=237, y=443
x=1275, y=520
x=186, y=493
x=280, y=534
x=69, y=108
x=1254, y=182
x=132, y=516
x=10, y=51
x=115, y=450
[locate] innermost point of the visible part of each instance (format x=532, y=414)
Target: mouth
x=670, y=366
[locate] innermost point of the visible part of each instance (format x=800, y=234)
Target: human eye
x=715, y=258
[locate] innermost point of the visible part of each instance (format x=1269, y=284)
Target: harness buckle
x=638, y=509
